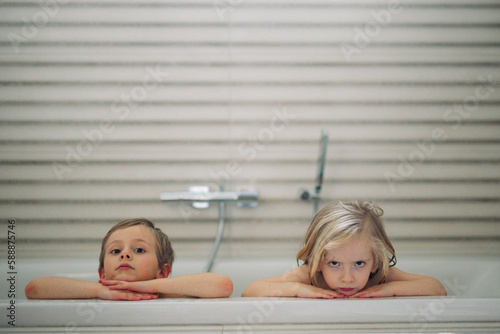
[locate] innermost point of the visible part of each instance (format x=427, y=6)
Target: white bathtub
x=472, y=304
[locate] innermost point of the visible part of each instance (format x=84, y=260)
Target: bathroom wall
x=105, y=104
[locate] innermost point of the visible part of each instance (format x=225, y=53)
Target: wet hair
x=164, y=251
x=337, y=224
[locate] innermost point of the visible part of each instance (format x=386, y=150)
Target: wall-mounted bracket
x=201, y=197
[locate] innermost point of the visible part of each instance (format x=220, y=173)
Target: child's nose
x=347, y=276
x=125, y=255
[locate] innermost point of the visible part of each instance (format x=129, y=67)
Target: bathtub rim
x=412, y=311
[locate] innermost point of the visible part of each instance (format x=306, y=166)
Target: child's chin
x=124, y=278
x=347, y=293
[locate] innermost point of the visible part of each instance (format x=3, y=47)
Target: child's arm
x=400, y=283
x=294, y=283
x=202, y=285
x=67, y=288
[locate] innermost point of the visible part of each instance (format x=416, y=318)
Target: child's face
x=346, y=269
x=130, y=255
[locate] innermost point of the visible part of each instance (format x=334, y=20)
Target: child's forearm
x=203, y=285
x=400, y=283
x=427, y=286
x=61, y=288
x=263, y=288
x=269, y=288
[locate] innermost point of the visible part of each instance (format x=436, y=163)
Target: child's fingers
x=143, y=287
x=315, y=292
x=331, y=293
x=140, y=296
x=130, y=295
x=110, y=282
x=121, y=286
x=338, y=295
x=106, y=282
x=329, y=296
x=136, y=297
x=108, y=293
x=369, y=294
x=362, y=294
x=318, y=295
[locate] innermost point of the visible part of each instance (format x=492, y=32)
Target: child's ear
x=164, y=271
x=101, y=273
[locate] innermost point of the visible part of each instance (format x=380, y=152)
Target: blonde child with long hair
x=346, y=253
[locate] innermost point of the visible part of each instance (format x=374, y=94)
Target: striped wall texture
x=105, y=104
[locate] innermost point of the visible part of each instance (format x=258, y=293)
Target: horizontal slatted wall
x=105, y=104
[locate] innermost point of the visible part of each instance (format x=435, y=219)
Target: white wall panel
x=105, y=104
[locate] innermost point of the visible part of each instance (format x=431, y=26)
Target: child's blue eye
x=140, y=250
x=115, y=251
x=333, y=263
x=359, y=264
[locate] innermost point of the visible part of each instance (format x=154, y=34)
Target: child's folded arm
x=60, y=288
x=400, y=283
x=68, y=288
x=202, y=285
x=270, y=288
x=286, y=285
x=406, y=284
x=294, y=283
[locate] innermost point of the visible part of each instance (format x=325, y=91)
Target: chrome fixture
x=315, y=195
x=201, y=197
x=201, y=194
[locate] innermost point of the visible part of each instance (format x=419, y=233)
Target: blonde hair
x=336, y=224
x=164, y=251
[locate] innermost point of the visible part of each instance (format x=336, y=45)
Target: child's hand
x=379, y=290
x=106, y=293
x=310, y=291
x=138, y=286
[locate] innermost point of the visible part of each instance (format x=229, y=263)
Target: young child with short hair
x=346, y=253
x=135, y=263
